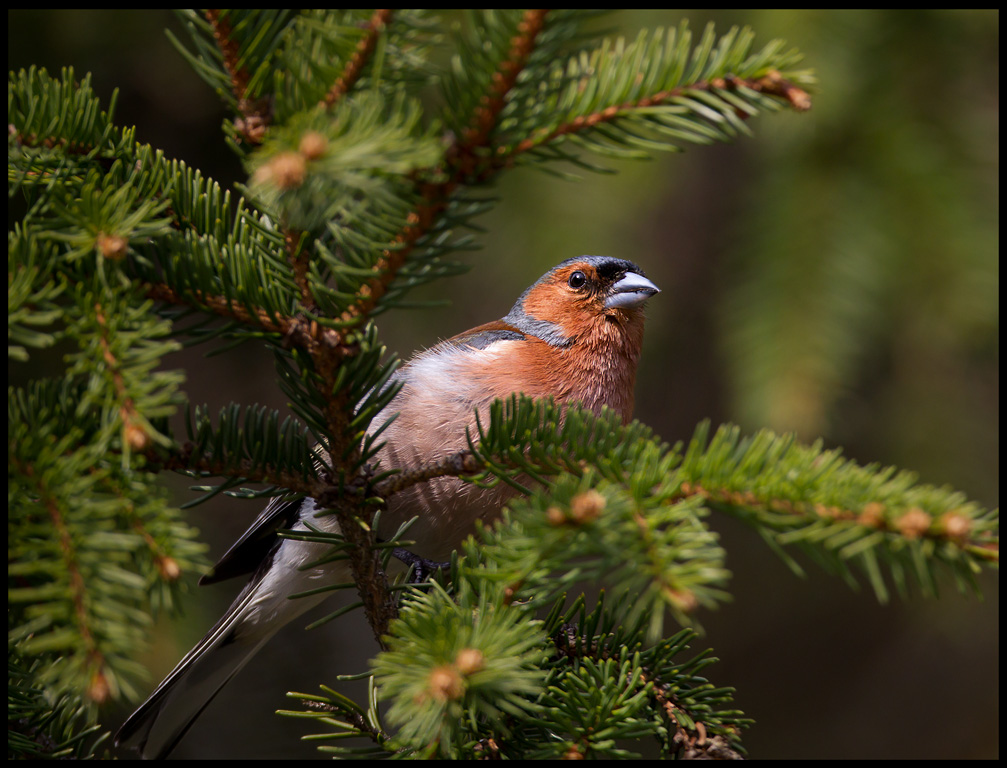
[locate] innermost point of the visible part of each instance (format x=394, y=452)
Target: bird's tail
x=160, y=722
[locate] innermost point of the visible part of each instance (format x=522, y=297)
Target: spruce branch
x=419, y=222
x=772, y=84
x=610, y=102
x=839, y=513
x=32, y=296
x=280, y=481
x=365, y=49
x=485, y=116
x=33, y=141
x=250, y=443
x=460, y=168
x=76, y=591
x=350, y=720
x=368, y=573
x=453, y=465
x=44, y=114
x=224, y=306
x=682, y=698
x=134, y=434
x=299, y=263
x=235, y=52
x=459, y=165
x=230, y=53
x=93, y=658
x=41, y=726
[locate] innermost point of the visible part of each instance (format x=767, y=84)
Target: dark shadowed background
x=836, y=275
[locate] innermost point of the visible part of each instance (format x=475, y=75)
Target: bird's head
x=581, y=297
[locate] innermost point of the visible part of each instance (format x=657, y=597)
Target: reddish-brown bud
x=112, y=247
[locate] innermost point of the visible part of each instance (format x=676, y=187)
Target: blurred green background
x=837, y=275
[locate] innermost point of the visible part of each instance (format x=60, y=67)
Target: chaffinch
x=574, y=335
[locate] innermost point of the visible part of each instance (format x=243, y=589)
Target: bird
x=574, y=335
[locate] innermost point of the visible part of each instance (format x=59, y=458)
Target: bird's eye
x=577, y=279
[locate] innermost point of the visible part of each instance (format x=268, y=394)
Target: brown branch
x=98, y=687
x=255, y=116
x=134, y=433
x=167, y=566
x=309, y=335
x=355, y=66
x=31, y=140
x=522, y=45
x=230, y=53
x=912, y=523
x=771, y=83
x=299, y=263
x=461, y=165
x=184, y=461
x=573, y=645
x=775, y=85
x=226, y=307
x=460, y=463
x=418, y=223
x=371, y=580
x=695, y=745
x=357, y=719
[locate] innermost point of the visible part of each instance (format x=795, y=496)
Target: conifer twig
x=229, y=52
x=913, y=523
x=299, y=263
x=254, y=116
x=772, y=83
x=133, y=433
x=460, y=165
x=98, y=688
x=459, y=463
x=184, y=460
x=503, y=80
x=303, y=333
x=572, y=645
x=32, y=140
x=365, y=48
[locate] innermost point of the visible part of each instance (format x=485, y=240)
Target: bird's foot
x=422, y=569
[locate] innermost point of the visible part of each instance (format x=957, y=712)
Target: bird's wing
x=253, y=545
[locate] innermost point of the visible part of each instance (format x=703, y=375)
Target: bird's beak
x=630, y=291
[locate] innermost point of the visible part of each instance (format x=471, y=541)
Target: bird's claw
x=422, y=569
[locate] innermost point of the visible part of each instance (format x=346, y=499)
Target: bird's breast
x=441, y=393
